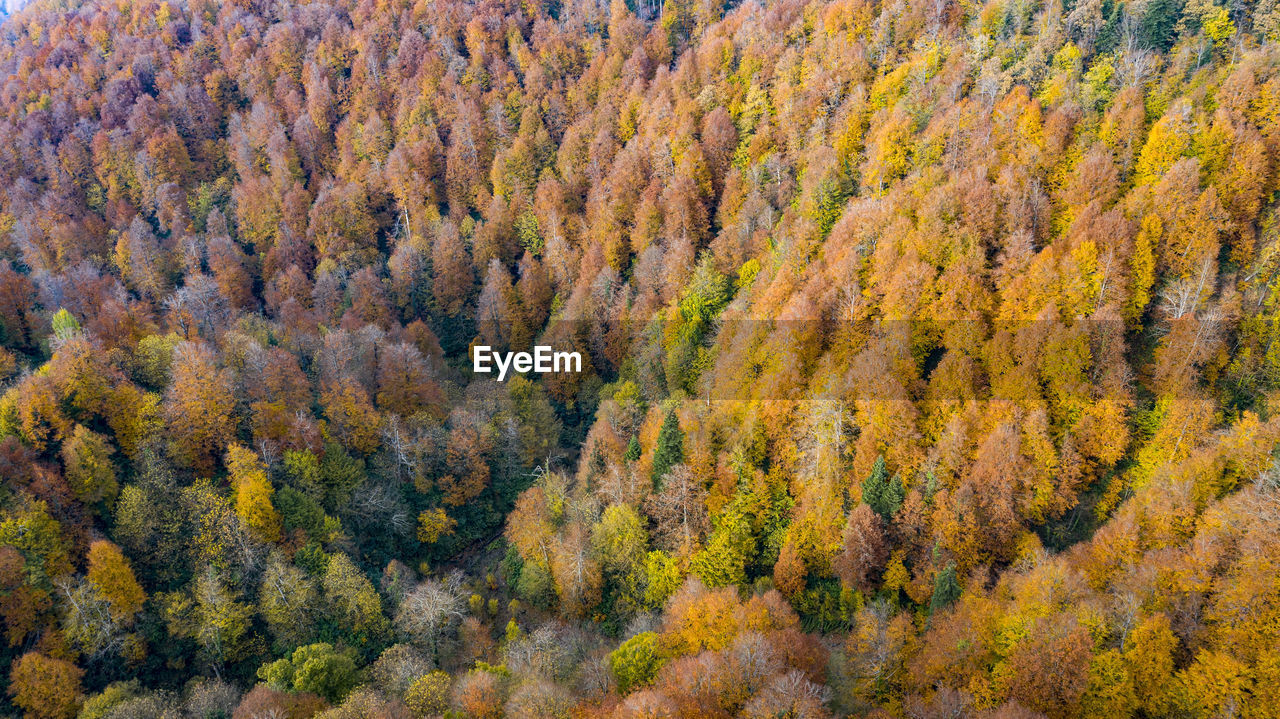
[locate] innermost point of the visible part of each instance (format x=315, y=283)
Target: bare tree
x=88, y=621
x=431, y=609
x=680, y=509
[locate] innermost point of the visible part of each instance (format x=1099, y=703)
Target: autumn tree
x=211, y=614
x=46, y=688
x=287, y=602
x=635, y=662
x=253, y=492
x=452, y=275
x=679, y=509
x=429, y=610
x=198, y=407
x=340, y=224
x=112, y=576
x=865, y=550
x=89, y=470
x=353, y=417
x=352, y=603
x=1050, y=669
x=314, y=668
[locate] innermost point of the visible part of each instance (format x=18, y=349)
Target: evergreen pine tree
x=891, y=500
x=874, y=485
x=670, y=449
x=633, y=450
x=946, y=589
x=1159, y=23
x=883, y=495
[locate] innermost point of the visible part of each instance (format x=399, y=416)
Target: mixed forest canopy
x=929, y=359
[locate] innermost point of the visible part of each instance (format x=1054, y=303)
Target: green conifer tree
x=946, y=589
x=874, y=485
x=883, y=495
x=670, y=449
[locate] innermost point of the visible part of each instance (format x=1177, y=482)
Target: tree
x=110, y=700
x=429, y=610
x=153, y=358
x=480, y=693
x=620, y=540
x=669, y=450
x=135, y=417
x=466, y=450
x=210, y=614
x=723, y=561
x=789, y=571
x=86, y=457
x=889, y=151
x=433, y=524
x=146, y=265
x=88, y=622
x=65, y=325
x=702, y=298
x=539, y=425
x=662, y=578
x=494, y=310
x=33, y=412
x=1148, y=657
x=113, y=578
x=636, y=661
x=198, y=407
x=1215, y=683
x=864, y=549
x=698, y=619
x=369, y=301
x=354, y=420
x=946, y=589
x=253, y=492
x=150, y=522
x=882, y=494
x=1050, y=668
x=17, y=316
x=1142, y=267
x=1110, y=691
x=337, y=472
x=28, y=528
x=287, y=600
x=575, y=569
x=429, y=694
x=46, y=688
x=230, y=268
x=340, y=224
x=352, y=604
x=20, y=604
x=679, y=509
x=541, y=699
x=452, y=277
x=314, y=668
x=263, y=701
x=405, y=383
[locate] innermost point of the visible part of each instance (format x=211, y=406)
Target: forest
x=929, y=362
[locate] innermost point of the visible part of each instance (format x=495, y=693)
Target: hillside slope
x=929, y=364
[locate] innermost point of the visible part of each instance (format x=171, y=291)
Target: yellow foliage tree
x=110, y=573
x=1149, y=659
x=253, y=492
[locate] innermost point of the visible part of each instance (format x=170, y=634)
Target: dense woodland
x=930, y=362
